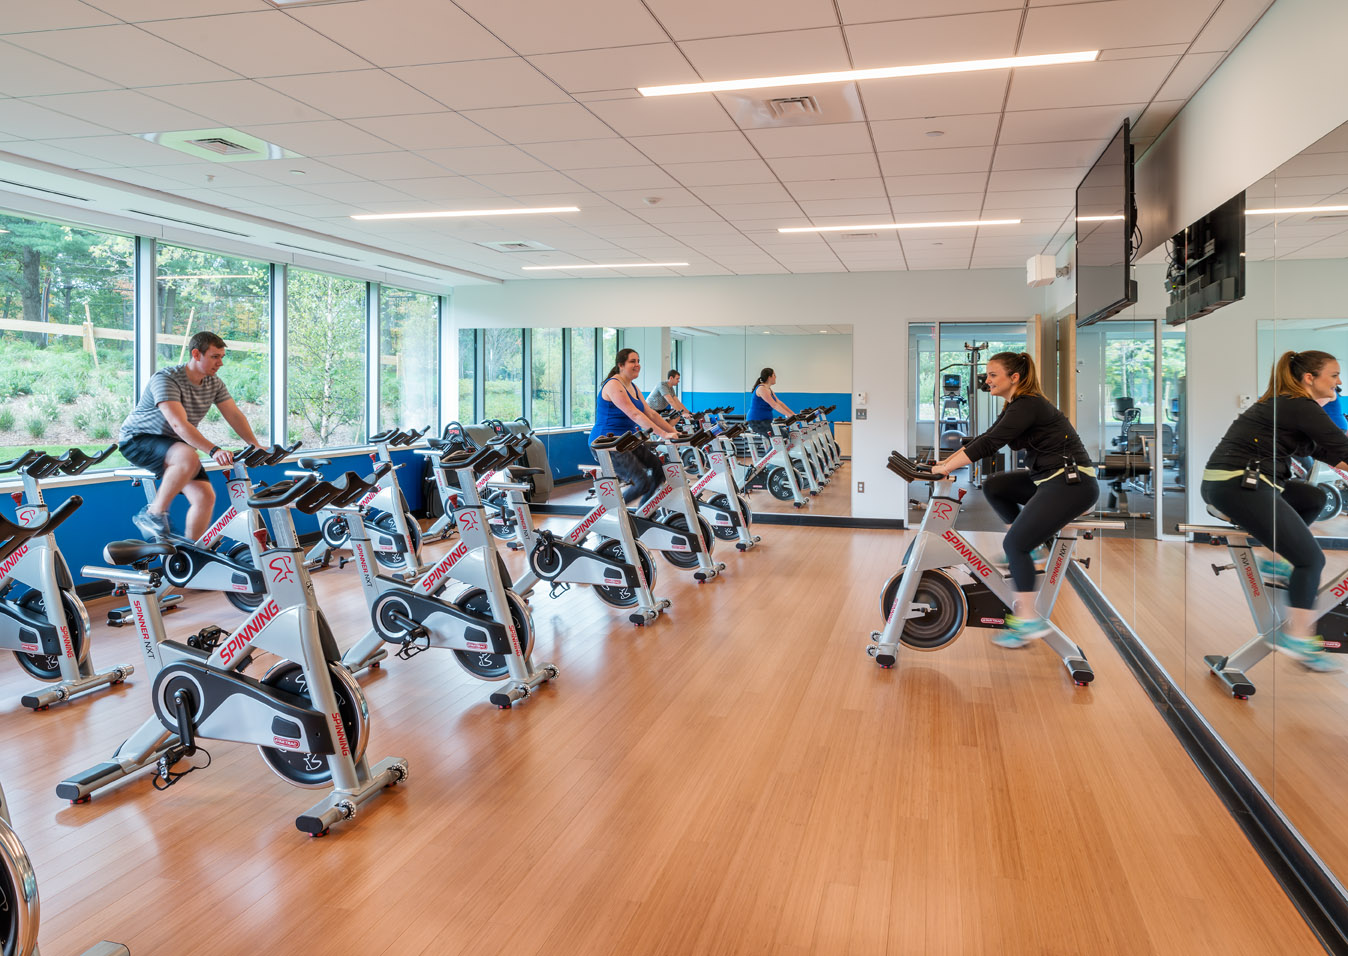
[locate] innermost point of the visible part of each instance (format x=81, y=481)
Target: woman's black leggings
x=1280, y=522
x=760, y=426
x=1036, y=513
x=641, y=467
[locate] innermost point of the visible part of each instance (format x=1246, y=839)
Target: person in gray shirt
x=161, y=434
x=664, y=397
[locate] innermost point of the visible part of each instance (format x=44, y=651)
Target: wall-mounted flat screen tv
x=1106, y=215
x=1206, y=269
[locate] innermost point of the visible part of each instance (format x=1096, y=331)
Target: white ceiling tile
x=975, y=129
x=403, y=32
x=483, y=84
x=916, y=207
x=649, y=176
x=587, y=154
x=1139, y=52
x=50, y=15
x=639, y=231
x=362, y=192
x=652, y=64
x=846, y=166
x=50, y=154
x=695, y=147
x=811, y=140
x=635, y=199
x=123, y=54
x=913, y=162
x=1158, y=115
x=1192, y=72
x=23, y=73
x=1048, y=155
x=323, y=138
x=866, y=11
x=529, y=27
x=38, y=120
x=484, y=159
x=136, y=10
x=443, y=188
x=1089, y=84
x=386, y=165
x=274, y=194
x=922, y=96
x=283, y=171
x=120, y=150
x=820, y=209
x=225, y=175
x=1112, y=23
x=663, y=213
x=526, y=184
x=937, y=183
x=1229, y=24
x=837, y=189
x=769, y=54
x=125, y=110
x=1007, y=179
x=355, y=93
x=689, y=19
x=973, y=36
x=663, y=115
x=1031, y=198
x=428, y=131
x=1082, y=122
x=742, y=193
x=237, y=103
x=269, y=43
x=540, y=124
x=761, y=211
x=702, y=230
x=721, y=174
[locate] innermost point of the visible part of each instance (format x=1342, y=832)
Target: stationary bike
x=771, y=466
x=225, y=557
x=935, y=604
x=307, y=715
x=726, y=511
x=488, y=627
x=42, y=619
x=1330, y=607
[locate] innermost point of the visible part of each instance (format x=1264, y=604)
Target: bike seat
x=131, y=551
x=1219, y=516
x=313, y=464
x=515, y=471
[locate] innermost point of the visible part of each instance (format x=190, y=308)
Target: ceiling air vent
x=318, y=252
x=1331, y=217
x=221, y=146
x=858, y=235
x=517, y=245
x=39, y=189
x=188, y=222
x=794, y=107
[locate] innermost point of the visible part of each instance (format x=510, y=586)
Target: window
x=545, y=361
x=326, y=359
x=608, y=350
x=206, y=291
x=503, y=373
x=66, y=336
x=409, y=359
x=467, y=374
x=584, y=383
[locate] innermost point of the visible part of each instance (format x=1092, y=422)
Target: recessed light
x=298, y=172
x=903, y=225
x=609, y=265
x=935, y=132
x=842, y=76
x=1289, y=210
x=468, y=213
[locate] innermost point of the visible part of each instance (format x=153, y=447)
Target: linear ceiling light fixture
x=468, y=213
x=611, y=265
x=903, y=225
x=1291, y=210
x=1099, y=218
x=882, y=73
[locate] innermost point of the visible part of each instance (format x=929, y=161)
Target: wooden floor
x=739, y=778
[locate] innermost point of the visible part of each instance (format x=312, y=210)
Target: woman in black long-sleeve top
x=1248, y=479
x=1057, y=486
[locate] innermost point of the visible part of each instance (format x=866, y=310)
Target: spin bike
x=307, y=715
x=47, y=626
x=225, y=557
x=1332, y=622
x=726, y=510
x=670, y=508
x=488, y=627
x=782, y=478
x=937, y=606
x=397, y=536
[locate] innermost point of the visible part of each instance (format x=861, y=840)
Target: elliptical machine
x=47, y=626
x=307, y=715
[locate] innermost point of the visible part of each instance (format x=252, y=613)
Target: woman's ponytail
x=763, y=376
x=619, y=361
x=1020, y=363
x=1285, y=379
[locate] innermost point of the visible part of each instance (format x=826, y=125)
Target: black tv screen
x=1105, y=218
x=1207, y=263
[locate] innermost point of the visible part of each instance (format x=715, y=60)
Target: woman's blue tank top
x=609, y=419
x=759, y=410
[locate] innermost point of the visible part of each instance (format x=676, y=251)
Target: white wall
x=715, y=363
x=878, y=306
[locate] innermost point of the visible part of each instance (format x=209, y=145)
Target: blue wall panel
x=797, y=400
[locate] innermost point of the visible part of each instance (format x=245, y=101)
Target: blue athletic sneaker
x=1020, y=631
x=152, y=526
x=1275, y=570
x=1309, y=652
x=1038, y=554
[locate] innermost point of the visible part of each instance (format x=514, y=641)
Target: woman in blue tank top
x=764, y=401
x=619, y=409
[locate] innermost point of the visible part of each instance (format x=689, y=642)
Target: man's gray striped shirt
x=172, y=385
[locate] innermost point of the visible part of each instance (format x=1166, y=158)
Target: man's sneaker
x=1275, y=570
x=152, y=526
x=1020, y=631
x=1309, y=652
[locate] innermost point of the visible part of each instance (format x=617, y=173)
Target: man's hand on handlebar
x=223, y=457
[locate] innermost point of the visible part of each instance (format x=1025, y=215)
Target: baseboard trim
x=1308, y=882
x=806, y=519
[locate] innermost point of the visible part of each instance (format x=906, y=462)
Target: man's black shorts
x=148, y=451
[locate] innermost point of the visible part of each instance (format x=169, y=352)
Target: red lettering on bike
x=1341, y=589
x=582, y=529
x=469, y=521
x=942, y=509
x=343, y=748
x=282, y=568
x=368, y=498
x=968, y=553
x=673, y=470
x=12, y=560
x=608, y=487
x=437, y=573
x=1057, y=569
x=286, y=742
x=219, y=526
x=145, y=638
x=28, y=515
x=251, y=628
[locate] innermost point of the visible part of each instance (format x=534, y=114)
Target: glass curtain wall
x=503, y=373
x=546, y=379
x=468, y=410
x=325, y=351
x=409, y=356
x=584, y=376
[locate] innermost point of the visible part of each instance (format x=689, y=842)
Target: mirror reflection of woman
x=1248, y=480
x=1057, y=485
x=621, y=409
x=764, y=402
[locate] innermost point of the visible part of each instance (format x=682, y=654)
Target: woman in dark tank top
x=619, y=408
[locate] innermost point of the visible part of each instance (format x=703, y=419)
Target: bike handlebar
x=76, y=462
x=13, y=536
x=909, y=470
x=14, y=464
x=282, y=493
